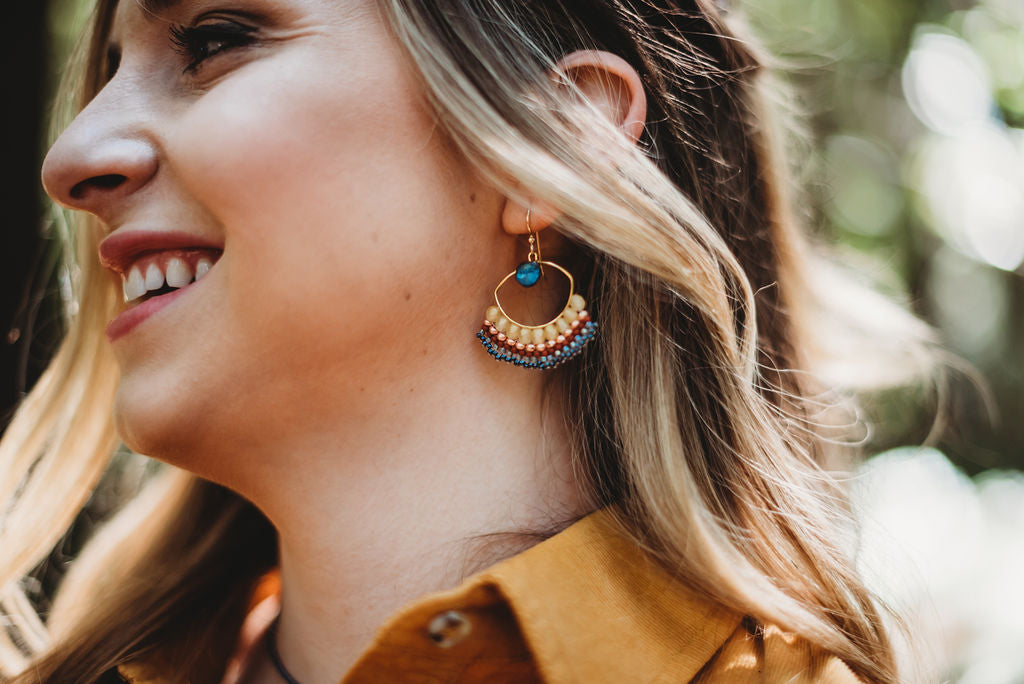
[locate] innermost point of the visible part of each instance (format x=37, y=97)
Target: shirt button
x=449, y=628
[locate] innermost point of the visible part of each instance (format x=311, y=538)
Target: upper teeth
x=178, y=273
x=175, y=272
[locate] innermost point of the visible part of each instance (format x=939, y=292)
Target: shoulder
x=765, y=653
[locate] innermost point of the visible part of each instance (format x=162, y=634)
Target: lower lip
x=126, y=321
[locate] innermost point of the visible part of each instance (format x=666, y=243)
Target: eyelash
x=193, y=42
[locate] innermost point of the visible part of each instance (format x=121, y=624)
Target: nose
x=104, y=157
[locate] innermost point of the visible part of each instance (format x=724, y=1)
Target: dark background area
x=29, y=317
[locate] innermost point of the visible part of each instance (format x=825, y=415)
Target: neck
x=387, y=509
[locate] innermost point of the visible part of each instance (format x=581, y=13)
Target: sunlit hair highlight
x=699, y=409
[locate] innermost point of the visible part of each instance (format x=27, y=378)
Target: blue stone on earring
x=528, y=273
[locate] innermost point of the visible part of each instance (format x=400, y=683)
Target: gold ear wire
x=541, y=346
x=534, y=254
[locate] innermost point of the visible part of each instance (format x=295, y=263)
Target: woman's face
x=288, y=144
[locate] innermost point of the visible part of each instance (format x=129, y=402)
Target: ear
x=610, y=83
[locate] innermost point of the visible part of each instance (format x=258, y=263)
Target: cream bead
x=492, y=313
x=576, y=302
x=513, y=331
x=569, y=314
x=550, y=332
x=537, y=335
x=501, y=324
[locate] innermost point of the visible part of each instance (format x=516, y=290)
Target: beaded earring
x=541, y=346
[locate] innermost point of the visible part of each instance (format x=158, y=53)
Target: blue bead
x=528, y=273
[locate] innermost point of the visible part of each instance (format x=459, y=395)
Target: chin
x=166, y=425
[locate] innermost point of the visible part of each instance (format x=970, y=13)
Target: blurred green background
x=917, y=170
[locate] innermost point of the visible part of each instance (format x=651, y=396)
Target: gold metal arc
x=534, y=254
x=572, y=291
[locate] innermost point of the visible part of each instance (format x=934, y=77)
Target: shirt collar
x=592, y=606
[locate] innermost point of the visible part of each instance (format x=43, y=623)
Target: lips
x=156, y=268
x=119, y=251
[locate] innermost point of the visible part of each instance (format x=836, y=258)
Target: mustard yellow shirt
x=582, y=607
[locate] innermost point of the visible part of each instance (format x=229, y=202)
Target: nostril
x=105, y=182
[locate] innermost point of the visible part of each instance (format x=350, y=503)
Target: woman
x=297, y=214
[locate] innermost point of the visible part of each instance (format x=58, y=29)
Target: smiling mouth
x=158, y=273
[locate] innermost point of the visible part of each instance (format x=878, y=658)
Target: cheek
x=335, y=195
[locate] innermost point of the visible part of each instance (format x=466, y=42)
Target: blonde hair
x=699, y=406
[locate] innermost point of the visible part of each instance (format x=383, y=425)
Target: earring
x=541, y=346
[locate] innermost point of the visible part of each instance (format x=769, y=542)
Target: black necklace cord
x=275, y=657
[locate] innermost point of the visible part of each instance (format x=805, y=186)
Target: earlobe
x=513, y=217
x=612, y=84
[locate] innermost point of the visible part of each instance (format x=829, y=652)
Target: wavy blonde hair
x=699, y=409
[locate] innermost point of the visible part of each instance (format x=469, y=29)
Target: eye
x=199, y=43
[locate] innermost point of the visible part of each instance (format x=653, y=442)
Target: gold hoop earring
x=541, y=346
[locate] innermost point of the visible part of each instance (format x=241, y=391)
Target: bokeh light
x=917, y=165
x=947, y=84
